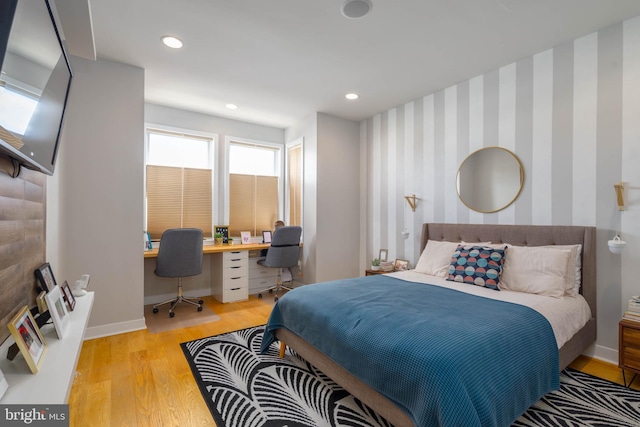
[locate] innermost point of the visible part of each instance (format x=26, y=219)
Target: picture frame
x=266, y=236
x=68, y=296
x=58, y=311
x=41, y=302
x=401, y=265
x=29, y=338
x=245, y=237
x=382, y=256
x=45, y=276
x=224, y=230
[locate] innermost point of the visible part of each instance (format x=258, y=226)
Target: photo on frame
x=401, y=265
x=68, y=296
x=29, y=338
x=58, y=311
x=45, y=277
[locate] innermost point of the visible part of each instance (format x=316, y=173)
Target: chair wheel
x=199, y=308
x=155, y=309
x=275, y=299
x=171, y=314
x=200, y=302
x=259, y=296
x=270, y=291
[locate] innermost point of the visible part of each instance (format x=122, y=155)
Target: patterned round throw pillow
x=477, y=265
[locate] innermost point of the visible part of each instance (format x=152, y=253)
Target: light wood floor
x=143, y=379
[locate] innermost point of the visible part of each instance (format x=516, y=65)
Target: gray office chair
x=283, y=253
x=180, y=255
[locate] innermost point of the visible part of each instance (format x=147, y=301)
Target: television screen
x=34, y=83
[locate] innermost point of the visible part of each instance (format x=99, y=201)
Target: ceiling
x=281, y=60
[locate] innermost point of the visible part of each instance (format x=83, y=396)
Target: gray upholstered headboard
x=526, y=235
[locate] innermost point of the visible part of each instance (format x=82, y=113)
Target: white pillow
x=536, y=270
x=436, y=257
x=574, y=271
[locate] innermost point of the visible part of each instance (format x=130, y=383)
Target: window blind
x=295, y=185
x=178, y=198
x=253, y=203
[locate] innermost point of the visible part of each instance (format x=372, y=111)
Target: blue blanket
x=445, y=357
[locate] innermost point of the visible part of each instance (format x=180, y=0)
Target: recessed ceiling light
x=355, y=9
x=352, y=96
x=231, y=106
x=172, y=42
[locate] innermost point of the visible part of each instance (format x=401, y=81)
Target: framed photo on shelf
x=40, y=301
x=29, y=338
x=68, y=296
x=266, y=236
x=58, y=310
x=245, y=236
x=401, y=265
x=45, y=277
x=384, y=253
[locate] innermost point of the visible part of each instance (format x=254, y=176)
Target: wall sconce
x=616, y=245
x=620, y=194
x=412, y=201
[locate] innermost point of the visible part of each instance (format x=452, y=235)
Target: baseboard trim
x=603, y=353
x=114, y=329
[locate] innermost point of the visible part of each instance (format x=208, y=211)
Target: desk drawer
x=235, y=255
x=236, y=282
x=260, y=283
x=231, y=295
x=235, y=271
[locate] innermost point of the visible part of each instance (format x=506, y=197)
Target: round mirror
x=489, y=179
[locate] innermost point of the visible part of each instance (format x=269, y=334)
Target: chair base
x=177, y=300
x=277, y=288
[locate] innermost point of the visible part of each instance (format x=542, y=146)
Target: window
x=254, y=175
x=294, y=183
x=178, y=182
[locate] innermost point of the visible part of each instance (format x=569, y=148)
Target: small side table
x=374, y=272
x=629, y=348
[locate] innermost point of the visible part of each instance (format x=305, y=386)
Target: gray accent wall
x=561, y=111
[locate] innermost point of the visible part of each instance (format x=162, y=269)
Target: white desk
x=52, y=383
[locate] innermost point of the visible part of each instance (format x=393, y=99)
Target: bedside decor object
x=29, y=339
x=401, y=265
x=45, y=277
x=58, y=310
x=382, y=256
x=375, y=264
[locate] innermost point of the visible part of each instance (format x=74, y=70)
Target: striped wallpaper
x=560, y=111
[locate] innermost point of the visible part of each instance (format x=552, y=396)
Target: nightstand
x=374, y=272
x=629, y=348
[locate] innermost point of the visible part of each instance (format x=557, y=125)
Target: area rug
x=244, y=388
x=185, y=315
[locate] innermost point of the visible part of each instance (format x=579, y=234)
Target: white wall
x=95, y=207
x=331, y=197
x=338, y=202
x=570, y=114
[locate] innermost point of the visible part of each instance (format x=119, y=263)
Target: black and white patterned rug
x=246, y=389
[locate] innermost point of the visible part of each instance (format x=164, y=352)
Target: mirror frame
x=520, y=167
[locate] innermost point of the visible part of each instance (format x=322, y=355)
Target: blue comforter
x=445, y=357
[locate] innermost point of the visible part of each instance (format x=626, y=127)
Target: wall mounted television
x=34, y=83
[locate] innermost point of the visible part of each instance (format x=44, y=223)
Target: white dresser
x=230, y=276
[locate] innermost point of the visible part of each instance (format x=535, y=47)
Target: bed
x=534, y=370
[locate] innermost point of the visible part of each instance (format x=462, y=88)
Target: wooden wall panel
x=22, y=241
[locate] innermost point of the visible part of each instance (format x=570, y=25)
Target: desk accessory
x=224, y=230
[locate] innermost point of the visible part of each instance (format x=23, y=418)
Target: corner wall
x=96, y=195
